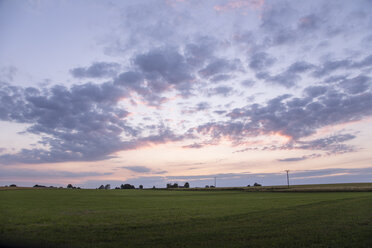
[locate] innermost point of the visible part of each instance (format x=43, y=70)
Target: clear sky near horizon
x=157, y=91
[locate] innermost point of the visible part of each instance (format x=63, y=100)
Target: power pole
x=287, y=177
x=215, y=182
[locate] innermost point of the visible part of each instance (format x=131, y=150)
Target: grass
x=162, y=218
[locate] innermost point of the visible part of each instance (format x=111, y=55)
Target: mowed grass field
x=164, y=218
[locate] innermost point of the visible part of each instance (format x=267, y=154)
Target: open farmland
x=164, y=218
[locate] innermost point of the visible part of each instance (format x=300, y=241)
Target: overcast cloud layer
x=192, y=74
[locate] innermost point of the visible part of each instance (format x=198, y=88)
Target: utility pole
x=287, y=177
x=215, y=182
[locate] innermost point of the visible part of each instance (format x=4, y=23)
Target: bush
x=187, y=185
x=141, y=186
x=257, y=184
x=39, y=186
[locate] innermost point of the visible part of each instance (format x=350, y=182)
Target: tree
x=257, y=184
x=12, y=185
x=172, y=186
x=187, y=185
x=101, y=187
x=107, y=186
x=39, y=186
x=207, y=186
x=141, y=186
x=69, y=186
x=127, y=186
x=153, y=187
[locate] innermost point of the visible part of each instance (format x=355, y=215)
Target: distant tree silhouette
x=207, y=186
x=153, y=187
x=172, y=186
x=127, y=186
x=39, y=186
x=69, y=186
x=257, y=184
x=211, y=186
x=101, y=187
x=107, y=186
x=187, y=185
x=12, y=185
x=141, y=186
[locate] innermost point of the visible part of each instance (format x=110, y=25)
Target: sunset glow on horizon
x=159, y=91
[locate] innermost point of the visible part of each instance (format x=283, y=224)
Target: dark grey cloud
x=261, y=60
x=289, y=77
x=201, y=106
x=310, y=22
x=96, y=70
x=356, y=85
x=220, y=77
x=332, y=65
x=294, y=117
x=218, y=66
x=300, y=66
x=81, y=123
x=10, y=173
x=164, y=69
x=200, y=51
x=139, y=169
x=247, y=83
x=167, y=64
x=221, y=90
x=295, y=159
x=315, y=91
x=332, y=144
x=143, y=169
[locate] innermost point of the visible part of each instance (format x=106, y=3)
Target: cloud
x=201, y=106
x=9, y=173
x=201, y=50
x=356, y=85
x=219, y=66
x=221, y=90
x=247, y=83
x=261, y=60
x=289, y=77
x=143, y=169
x=295, y=118
x=330, y=66
x=240, y=4
x=81, y=123
x=166, y=63
x=295, y=159
x=96, y=70
x=139, y=169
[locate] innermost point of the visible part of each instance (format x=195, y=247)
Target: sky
x=162, y=91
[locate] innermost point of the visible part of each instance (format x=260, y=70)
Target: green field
x=163, y=218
